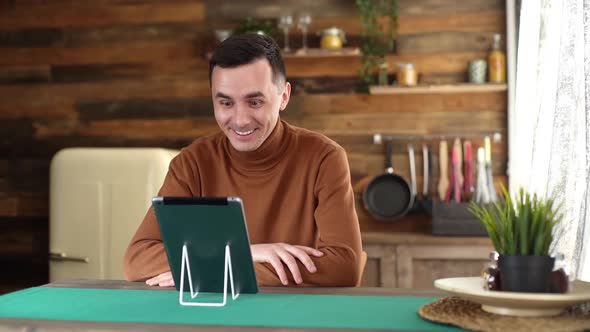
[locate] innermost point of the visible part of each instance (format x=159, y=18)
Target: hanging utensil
x=468, y=185
x=481, y=191
x=429, y=186
x=457, y=145
x=443, y=181
x=456, y=167
x=413, y=182
x=490, y=179
x=388, y=196
x=425, y=171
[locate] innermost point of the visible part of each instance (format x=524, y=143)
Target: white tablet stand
x=227, y=269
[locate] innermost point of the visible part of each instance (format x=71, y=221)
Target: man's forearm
x=145, y=259
x=338, y=267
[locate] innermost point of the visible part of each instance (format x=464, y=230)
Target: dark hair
x=246, y=48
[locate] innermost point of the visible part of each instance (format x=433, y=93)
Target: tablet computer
x=206, y=225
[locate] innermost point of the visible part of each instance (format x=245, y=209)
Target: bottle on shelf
x=382, y=77
x=497, y=61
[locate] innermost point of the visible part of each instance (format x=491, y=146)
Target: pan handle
x=425, y=170
x=388, y=157
x=413, y=186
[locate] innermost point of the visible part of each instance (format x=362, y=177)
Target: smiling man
x=295, y=184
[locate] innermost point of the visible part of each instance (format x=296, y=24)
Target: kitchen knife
x=490, y=179
x=468, y=185
x=443, y=181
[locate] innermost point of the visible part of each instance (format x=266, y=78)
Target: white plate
x=513, y=303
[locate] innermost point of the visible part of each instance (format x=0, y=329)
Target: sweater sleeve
x=338, y=227
x=146, y=256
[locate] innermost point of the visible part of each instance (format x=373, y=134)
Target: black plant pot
x=529, y=274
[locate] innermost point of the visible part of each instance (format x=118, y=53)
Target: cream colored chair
x=363, y=265
x=98, y=197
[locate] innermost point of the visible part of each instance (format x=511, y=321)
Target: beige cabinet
x=417, y=260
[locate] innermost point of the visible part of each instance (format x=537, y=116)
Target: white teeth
x=244, y=133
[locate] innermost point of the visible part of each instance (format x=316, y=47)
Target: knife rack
x=378, y=138
x=448, y=218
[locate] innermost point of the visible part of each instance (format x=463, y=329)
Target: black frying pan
x=388, y=196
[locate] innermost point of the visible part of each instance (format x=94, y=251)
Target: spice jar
x=559, y=281
x=406, y=74
x=332, y=38
x=491, y=274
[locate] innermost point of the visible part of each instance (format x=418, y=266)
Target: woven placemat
x=469, y=315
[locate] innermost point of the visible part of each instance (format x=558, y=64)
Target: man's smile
x=244, y=133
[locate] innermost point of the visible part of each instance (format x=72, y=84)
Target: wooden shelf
x=320, y=52
x=315, y=53
x=442, y=88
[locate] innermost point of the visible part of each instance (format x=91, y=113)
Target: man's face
x=247, y=103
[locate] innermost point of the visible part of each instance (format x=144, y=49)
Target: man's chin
x=244, y=147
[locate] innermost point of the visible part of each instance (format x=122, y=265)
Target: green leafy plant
x=522, y=225
x=378, y=39
x=253, y=25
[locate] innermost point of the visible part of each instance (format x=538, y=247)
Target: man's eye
x=255, y=102
x=226, y=103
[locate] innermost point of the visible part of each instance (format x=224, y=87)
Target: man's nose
x=242, y=116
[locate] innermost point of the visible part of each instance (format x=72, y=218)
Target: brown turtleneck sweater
x=296, y=189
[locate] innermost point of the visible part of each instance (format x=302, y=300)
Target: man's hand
x=162, y=280
x=278, y=253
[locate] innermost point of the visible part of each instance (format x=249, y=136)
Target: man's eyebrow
x=222, y=95
x=254, y=95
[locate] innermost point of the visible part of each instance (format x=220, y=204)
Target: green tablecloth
x=273, y=310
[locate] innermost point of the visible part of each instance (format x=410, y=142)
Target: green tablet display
x=206, y=225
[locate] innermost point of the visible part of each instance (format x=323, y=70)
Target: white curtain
x=550, y=122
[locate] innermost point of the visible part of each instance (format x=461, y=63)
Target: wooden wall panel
x=228, y=10
x=132, y=52
x=413, y=103
x=134, y=73
x=160, y=87
x=43, y=14
x=25, y=74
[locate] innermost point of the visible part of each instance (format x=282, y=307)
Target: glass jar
x=332, y=38
x=406, y=74
x=491, y=273
x=560, y=281
x=477, y=71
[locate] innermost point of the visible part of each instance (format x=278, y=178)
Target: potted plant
x=522, y=229
x=378, y=38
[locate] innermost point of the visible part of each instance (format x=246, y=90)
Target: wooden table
x=58, y=325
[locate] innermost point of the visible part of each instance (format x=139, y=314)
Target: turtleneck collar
x=266, y=156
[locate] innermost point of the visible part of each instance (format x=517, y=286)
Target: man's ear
x=285, y=96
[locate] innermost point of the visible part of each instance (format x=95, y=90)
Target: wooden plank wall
x=134, y=73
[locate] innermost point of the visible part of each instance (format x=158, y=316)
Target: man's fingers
x=303, y=256
x=163, y=279
x=278, y=266
x=287, y=257
x=280, y=254
x=167, y=282
x=153, y=281
x=311, y=251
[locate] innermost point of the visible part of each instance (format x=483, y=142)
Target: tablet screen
x=206, y=225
